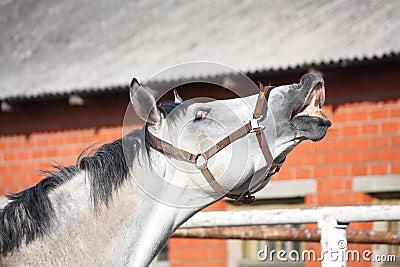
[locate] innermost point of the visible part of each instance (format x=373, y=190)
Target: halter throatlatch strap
x=200, y=160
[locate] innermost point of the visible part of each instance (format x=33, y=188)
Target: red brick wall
x=40, y=134
x=363, y=103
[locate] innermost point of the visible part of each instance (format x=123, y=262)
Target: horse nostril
x=306, y=77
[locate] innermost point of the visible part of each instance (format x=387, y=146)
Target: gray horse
x=101, y=212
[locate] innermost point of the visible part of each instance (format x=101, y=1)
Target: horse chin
x=311, y=127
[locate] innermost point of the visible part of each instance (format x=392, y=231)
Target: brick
x=321, y=185
x=390, y=127
x=369, y=128
x=362, y=198
x=8, y=156
x=295, y=160
x=358, y=116
x=358, y=170
x=340, y=171
x=302, y=148
x=2, y=145
x=321, y=172
x=340, y=145
x=313, y=159
x=189, y=254
x=379, y=114
x=348, y=184
x=7, y=180
x=44, y=166
x=331, y=158
x=325, y=198
x=360, y=226
x=394, y=112
x=350, y=130
x=376, y=169
x=344, y=198
x=367, y=156
x=340, y=117
x=334, y=184
x=379, y=142
x=42, y=142
x=395, y=167
x=15, y=168
x=37, y=154
x=71, y=138
x=284, y=174
x=351, y=157
x=177, y=242
x=23, y=155
x=360, y=143
x=395, y=141
x=389, y=154
x=303, y=173
x=51, y=153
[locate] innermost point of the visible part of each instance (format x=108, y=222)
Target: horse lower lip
x=304, y=120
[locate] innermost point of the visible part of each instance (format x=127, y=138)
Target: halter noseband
x=200, y=160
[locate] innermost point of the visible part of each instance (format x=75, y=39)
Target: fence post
x=333, y=242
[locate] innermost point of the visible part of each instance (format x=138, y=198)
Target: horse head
x=292, y=114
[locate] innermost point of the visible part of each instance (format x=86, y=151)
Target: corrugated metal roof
x=55, y=47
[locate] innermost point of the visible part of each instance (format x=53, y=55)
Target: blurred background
x=65, y=67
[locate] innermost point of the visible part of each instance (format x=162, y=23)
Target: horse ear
x=144, y=103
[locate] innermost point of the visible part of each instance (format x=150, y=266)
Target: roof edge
x=106, y=89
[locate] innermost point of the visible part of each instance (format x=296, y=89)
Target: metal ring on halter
x=202, y=165
x=255, y=123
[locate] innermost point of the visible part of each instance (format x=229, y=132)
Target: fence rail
x=344, y=214
x=263, y=232
x=332, y=223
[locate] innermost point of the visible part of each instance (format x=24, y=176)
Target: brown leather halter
x=200, y=160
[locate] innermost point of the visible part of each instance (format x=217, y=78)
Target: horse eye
x=200, y=114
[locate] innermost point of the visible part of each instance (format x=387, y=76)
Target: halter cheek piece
x=200, y=160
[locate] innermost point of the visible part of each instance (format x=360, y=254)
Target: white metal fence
x=332, y=222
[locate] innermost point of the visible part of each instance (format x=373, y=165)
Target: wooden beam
x=285, y=234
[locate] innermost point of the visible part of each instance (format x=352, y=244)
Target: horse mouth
x=310, y=117
x=314, y=102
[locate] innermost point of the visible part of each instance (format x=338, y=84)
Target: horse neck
x=129, y=232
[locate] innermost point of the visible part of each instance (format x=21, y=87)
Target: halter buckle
x=255, y=123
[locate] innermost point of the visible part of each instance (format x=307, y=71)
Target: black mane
x=30, y=214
